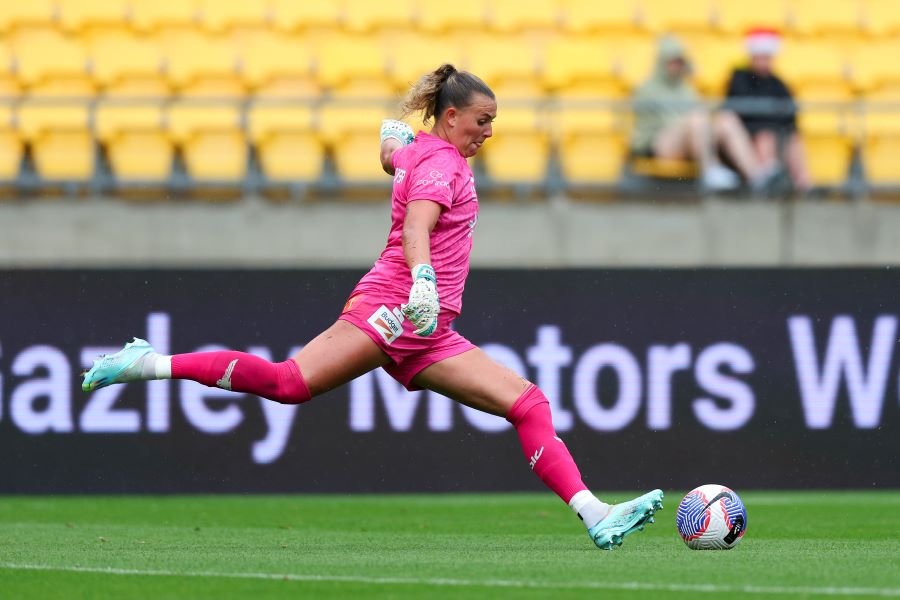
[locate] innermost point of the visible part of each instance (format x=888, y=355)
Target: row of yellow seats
x=141, y=139
x=878, y=17
x=43, y=61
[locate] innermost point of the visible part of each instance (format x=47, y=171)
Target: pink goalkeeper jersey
x=430, y=169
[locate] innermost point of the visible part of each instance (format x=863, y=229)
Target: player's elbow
x=387, y=156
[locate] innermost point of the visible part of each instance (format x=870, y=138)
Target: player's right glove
x=400, y=131
x=423, y=307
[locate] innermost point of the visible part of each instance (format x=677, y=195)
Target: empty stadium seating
x=589, y=15
x=222, y=15
x=23, y=14
x=284, y=134
x=136, y=142
x=520, y=152
x=880, y=17
x=11, y=146
x=81, y=15
x=332, y=70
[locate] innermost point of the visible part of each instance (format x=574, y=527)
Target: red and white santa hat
x=761, y=40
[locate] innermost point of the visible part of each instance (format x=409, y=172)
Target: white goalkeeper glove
x=423, y=307
x=397, y=130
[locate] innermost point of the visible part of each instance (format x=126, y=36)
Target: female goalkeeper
x=399, y=315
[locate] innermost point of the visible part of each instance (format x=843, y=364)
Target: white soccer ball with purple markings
x=711, y=517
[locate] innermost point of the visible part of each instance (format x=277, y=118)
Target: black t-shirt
x=744, y=83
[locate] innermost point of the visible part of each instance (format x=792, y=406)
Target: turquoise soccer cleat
x=624, y=519
x=113, y=368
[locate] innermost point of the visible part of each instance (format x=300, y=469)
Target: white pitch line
x=490, y=583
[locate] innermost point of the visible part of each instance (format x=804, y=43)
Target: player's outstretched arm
x=394, y=135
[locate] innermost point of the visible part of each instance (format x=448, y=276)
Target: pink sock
x=242, y=372
x=545, y=452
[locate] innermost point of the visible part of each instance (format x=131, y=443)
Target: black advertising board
x=660, y=378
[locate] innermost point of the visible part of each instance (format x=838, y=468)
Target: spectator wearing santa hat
x=671, y=123
x=766, y=107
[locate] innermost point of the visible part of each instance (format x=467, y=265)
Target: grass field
x=814, y=544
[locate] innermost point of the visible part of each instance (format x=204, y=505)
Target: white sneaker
x=719, y=178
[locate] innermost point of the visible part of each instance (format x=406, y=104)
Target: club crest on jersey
x=388, y=323
x=401, y=173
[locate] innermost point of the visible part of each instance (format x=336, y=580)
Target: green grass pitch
x=809, y=544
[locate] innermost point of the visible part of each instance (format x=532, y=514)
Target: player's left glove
x=398, y=130
x=423, y=307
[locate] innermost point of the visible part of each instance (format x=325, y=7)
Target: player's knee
x=291, y=388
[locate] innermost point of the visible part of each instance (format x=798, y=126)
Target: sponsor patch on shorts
x=388, y=324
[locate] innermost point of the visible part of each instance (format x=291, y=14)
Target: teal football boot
x=120, y=367
x=624, y=519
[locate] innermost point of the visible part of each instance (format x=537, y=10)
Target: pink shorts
x=379, y=317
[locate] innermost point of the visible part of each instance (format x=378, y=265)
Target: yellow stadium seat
x=411, y=56
x=592, y=159
x=635, y=60
x=274, y=58
x=816, y=17
x=880, y=17
x=881, y=160
x=210, y=137
x=828, y=158
x=520, y=151
x=736, y=17
x=664, y=168
x=288, y=147
x=443, y=16
x=61, y=143
x=804, y=63
x=713, y=58
x=46, y=58
x=123, y=62
x=150, y=15
x=588, y=110
x=11, y=146
x=290, y=15
x=882, y=112
x=825, y=109
x=874, y=65
x=342, y=57
x=515, y=15
x=489, y=58
x=589, y=15
x=135, y=139
x=365, y=15
x=592, y=143
x=570, y=60
x=32, y=12
x=200, y=64
x=666, y=16
x=76, y=15
x=9, y=83
x=356, y=159
x=220, y=15
x=340, y=118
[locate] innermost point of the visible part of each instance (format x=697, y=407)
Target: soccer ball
x=711, y=517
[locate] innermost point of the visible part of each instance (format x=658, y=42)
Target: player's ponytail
x=440, y=89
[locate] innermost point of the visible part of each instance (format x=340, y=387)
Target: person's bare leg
x=688, y=138
x=729, y=133
x=765, y=144
x=795, y=157
x=337, y=355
